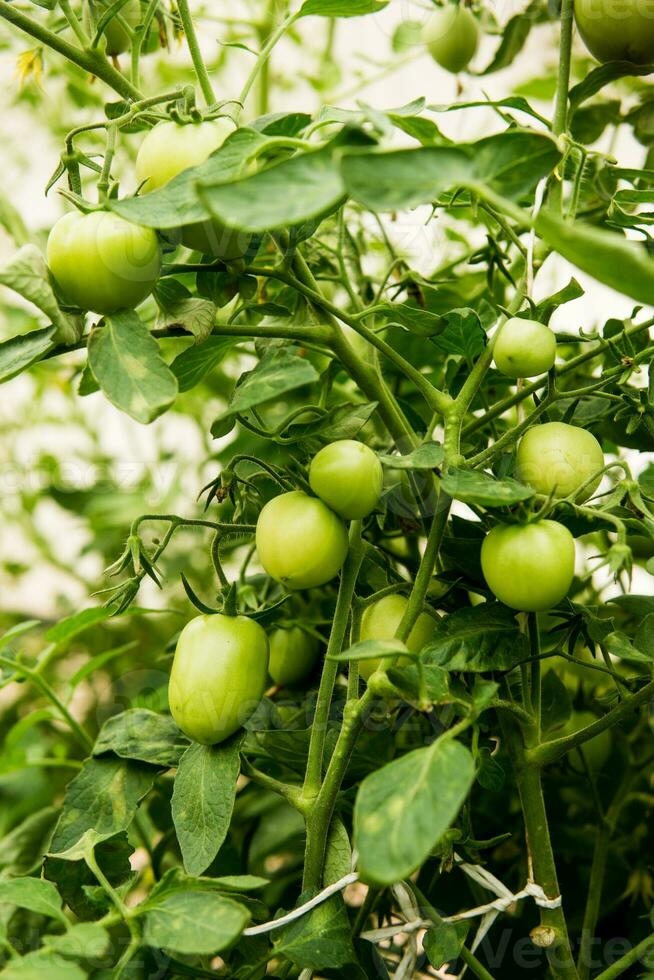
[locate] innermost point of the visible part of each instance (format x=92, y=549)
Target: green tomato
x=596, y=751
x=381, y=620
x=218, y=676
x=101, y=262
x=557, y=459
x=116, y=36
x=293, y=654
x=166, y=151
x=348, y=477
x=621, y=31
x=529, y=567
x=301, y=542
x=524, y=348
x=452, y=37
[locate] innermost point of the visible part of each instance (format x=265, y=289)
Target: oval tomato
x=380, y=621
x=557, y=458
x=101, y=262
x=529, y=567
x=524, y=348
x=293, y=653
x=301, y=542
x=167, y=150
x=348, y=477
x=218, y=676
x=452, y=37
x=617, y=32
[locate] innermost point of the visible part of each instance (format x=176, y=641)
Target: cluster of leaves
x=164, y=857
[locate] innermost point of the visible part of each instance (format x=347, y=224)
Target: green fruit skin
x=170, y=148
x=557, y=458
x=218, y=677
x=348, y=477
x=101, y=262
x=381, y=620
x=597, y=750
x=293, y=654
x=116, y=37
x=617, y=30
x=452, y=37
x=529, y=567
x=301, y=542
x=524, y=348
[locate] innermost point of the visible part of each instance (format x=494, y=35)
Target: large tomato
x=293, y=652
x=557, y=459
x=381, y=620
x=348, y=477
x=166, y=151
x=524, y=348
x=301, y=542
x=529, y=567
x=218, y=676
x=101, y=262
x=452, y=37
x=622, y=31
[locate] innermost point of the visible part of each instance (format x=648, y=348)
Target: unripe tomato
x=218, y=676
x=529, y=566
x=115, y=35
x=380, y=621
x=622, y=31
x=348, y=477
x=524, y=348
x=557, y=458
x=293, y=652
x=452, y=37
x=101, y=262
x=596, y=751
x=301, y=542
x=166, y=151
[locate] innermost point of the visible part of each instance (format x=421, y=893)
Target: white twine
x=301, y=910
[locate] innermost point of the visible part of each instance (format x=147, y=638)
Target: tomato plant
x=350, y=395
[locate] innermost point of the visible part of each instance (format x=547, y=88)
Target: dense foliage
x=378, y=701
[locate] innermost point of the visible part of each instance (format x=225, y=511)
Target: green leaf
x=288, y=193
x=412, y=318
x=19, y=353
x=203, y=800
x=403, y=809
x=125, y=360
x=370, y=650
x=341, y=8
x=480, y=638
x=35, y=894
x=463, y=334
x=179, y=308
x=320, y=940
x=66, y=629
x=177, y=203
x=101, y=799
x=608, y=257
x=193, y=364
x=78, y=885
x=22, y=849
x=429, y=456
x=638, y=650
x=338, y=854
x=85, y=940
x=475, y=487
x=514, y=35
x=604, y=75
x=442, y=943
x=27, y=274
x=193, y=922
x=142, y=735
x=278, y=371
x=42, y=966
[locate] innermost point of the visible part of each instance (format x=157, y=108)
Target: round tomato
x=301, y=542
x=166, y=151
x=381, y=620
x=621, y=31
x=348, y=477
x=115, y=34
x=292, y=655
x=596, y=751
x=529, y=567
x=524, y=348
x=452, y=37
x=557, y=458
x=218, y=676
x=101, y=262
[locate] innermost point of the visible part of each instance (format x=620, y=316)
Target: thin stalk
x=196, y=55
x=534, y=643
x=264, y=55
x=622, y=965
